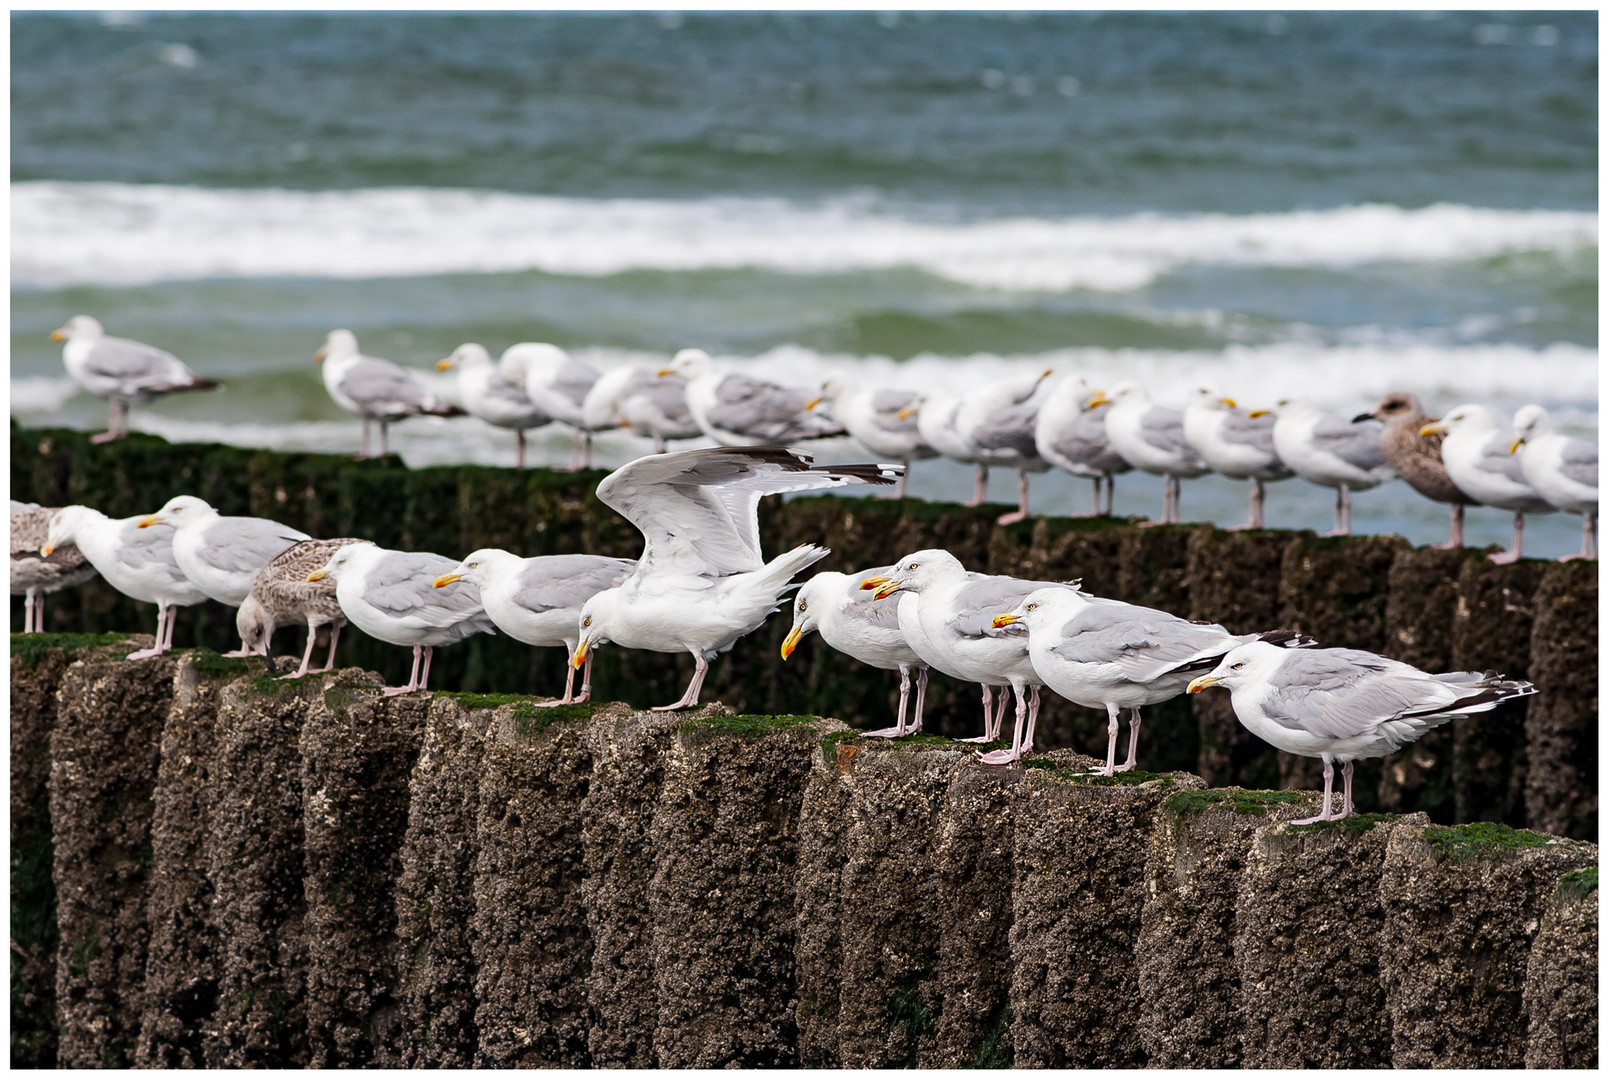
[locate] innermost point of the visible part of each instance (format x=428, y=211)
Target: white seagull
x=1475, y=452
x=389, y=596
x=1346, y=704
x=136, y=562
x=282, y=595
x=538, y=601
x=1563, y=469
x=998, y=419
x=1105, y=654
x=701, y=582
x=937, y=413
x=557, y=383
x=488, y=396
x=121, y=371
x=1331, y=452
x=851, y=621
x=946, y=614
x=1071, y=434
x=1151, y=438
x=34, y=575
x=373, y=388
x=1235, y=444
x=882, y=420
x=740, y=410
x=650, y=404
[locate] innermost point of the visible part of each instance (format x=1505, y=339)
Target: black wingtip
x=1287, y=639
x=866, y=474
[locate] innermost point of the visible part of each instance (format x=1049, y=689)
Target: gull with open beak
x=1235, y=444
x=856, y=624
x=1562, y=468
x=1345, y=705
x=1475, y=450
x=488, y=396
x=538, y=601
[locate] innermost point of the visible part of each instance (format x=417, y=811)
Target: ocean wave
x=125, y=234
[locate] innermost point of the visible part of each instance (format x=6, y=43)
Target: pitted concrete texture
x=1561, y=980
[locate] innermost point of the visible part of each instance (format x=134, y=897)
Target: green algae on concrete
x=1184, y=803
x=1357, y=825
x=747, y=727
x=30, y=647
x=1481, y=838
x=1577, y=884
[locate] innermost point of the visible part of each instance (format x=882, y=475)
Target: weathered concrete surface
x=818, y=903
x=1561, y=722
x=1462, y=906
x=1561, y=980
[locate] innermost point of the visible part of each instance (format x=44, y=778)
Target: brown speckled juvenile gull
x=32, y=574
x=1417, y=458
x=282, y=596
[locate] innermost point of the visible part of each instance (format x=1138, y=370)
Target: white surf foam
x=120, y=234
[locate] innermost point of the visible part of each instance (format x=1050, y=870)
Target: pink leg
x=1329, y=784
x=39, y=613
x=701, y=668
x=1134, y=740
x=586, y=682
x=329, y=659
x=980, y=487
x=1455, y=529
x=1513, y=553
x=113, y=408
x=385, y=438
x=1022, y=501
x=307, y=654
x=413, y=678
x=1347, y=810
x=28, y=612
x=1111, y=742
x=899, y=488
x=1167, y=505
x=1254, y=510
x=921, y=697
x=173, y=620
x=899, y=721
x=365, y=451
x=519, y=448
x=156, y=650
x=1022, y=738
x=587, y=442
x=424, y=676
x=569, y=681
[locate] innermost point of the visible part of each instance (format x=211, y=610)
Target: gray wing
x=988, y=595
x=245, y=543
x=136, y=364
x=766, y=410
x=403, y=583
x=567, y=581
x=668, y=395
x=1164, y=427
x=1142, y=643
x=573, y=379
x=1342, y=693
x=1354, y=443
x=373, y=381
x=1009, y=428
x=1255, y=431
x=1084, y=442
x=883, y=614
x=1580, y=461
x=139, y=547
x=888, y=404
x=507, y=393
x=1496, y=459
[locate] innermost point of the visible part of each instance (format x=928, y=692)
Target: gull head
x=348, y=559
x=1241, y=666
x=1075, y=387
x=64, y=525
x=689, y=364
x=808, y=604
x=337, y=343
x=1042, y=609
x=180, y=511
x=256, y=625
x=479, y=568
x=1208, y=397
x=917, y=571
x=834, y=388
x=466, y=356
x=1392, y=406
x=1530, y=422
x=597, y=614
x=1476, y=418
x=79, y=326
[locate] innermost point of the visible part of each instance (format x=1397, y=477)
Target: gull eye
x=1033, y=607
x=912, y=566
x=587, y=621
x=803, y=606
x=473, y=565
x=1237, y=667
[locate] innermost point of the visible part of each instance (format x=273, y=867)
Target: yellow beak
x=444, y=365
x=624, y=424
x=580, y=656
x=1198, y=685
x=47, y=549
x=150, y=519
x=812, y=403
x=1515, y=445
x=874, y=582
x=791, y=642
x=1255, y=413
x=662, y=372
x=57, y=335
x=1229, y=401
x=1098, y=399
x=1005, y=620
x=446, y=580
x=887, y=589
x=318, y=357
x=907, y=412
x=1435, y=427
x=318, y=575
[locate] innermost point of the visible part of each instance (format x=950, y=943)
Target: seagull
x=121, y=371
x=1151, y=437
x=1329, y=451
x=946, y=614
x=1071, y=434
x=701, y=583
x=1105, y=654
x=1417, y=458
x=999, y=420
x=1234, y=444
x=33, y=575
x=388, y=595
x=282, y=595
x=1346, y=704
x=936, y=414
x=1475, y=450
x=221, y=555
x=652, y=405
x=739, y=410
x=883, y=421
x=490, y=397
x=556, y=383
x=538, y=601
x=1563, y=470
x=138, y=563
x=375, y=389
x=851, y=621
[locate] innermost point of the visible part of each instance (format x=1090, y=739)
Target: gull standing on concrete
x=650, y=404
x=947, y=613
x=221, y=555
x=389, y=595
x=1151, y=437
x=538, y=601
x=373, y=388
x=1346, y=705
x=1562, y=468
x=1475, y=451
x=1235, y=444
x=1071, y=434
x=936, y=415
x=137, y=562
x=282, y=595
x=488, y=396
x=998, y=420
x=557, y=383
x=851, y=621
x=1105, y=654
x=33, y=575
x=120, y=371
x=701, y=582
x=883, y=421
x=739, y=410
x=1329, y=451
x=1417, y=458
